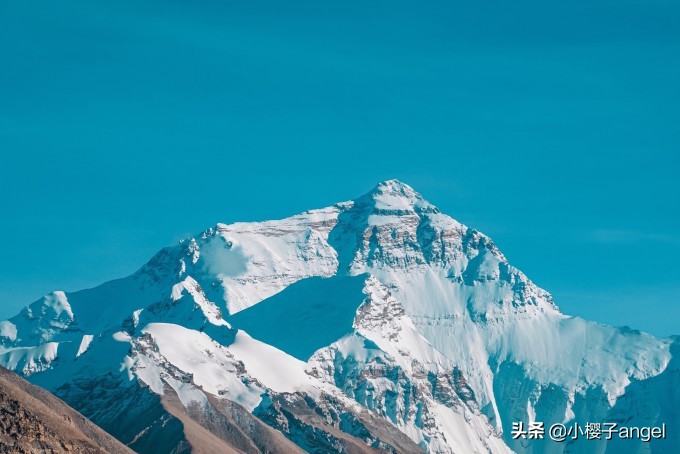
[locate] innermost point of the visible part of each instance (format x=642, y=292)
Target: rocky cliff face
x=375, y=324
x=32, y=420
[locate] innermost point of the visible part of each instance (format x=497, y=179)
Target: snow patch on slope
x=275, y=369
x=8, y=330
x=84, y=344
x=58, y=302
x=29, y=360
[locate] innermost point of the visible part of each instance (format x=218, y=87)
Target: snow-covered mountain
x=378, y=324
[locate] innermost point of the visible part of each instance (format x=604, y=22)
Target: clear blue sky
x=551, y=126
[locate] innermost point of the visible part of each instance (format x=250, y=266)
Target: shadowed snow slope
x=378, y=324
x=306, y=316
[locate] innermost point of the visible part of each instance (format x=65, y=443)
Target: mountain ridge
x=441, y=340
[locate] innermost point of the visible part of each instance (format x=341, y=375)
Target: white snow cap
x=393, y=195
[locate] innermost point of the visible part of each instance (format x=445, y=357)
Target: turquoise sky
x=552, y=127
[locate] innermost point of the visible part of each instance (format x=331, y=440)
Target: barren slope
x=33, y=420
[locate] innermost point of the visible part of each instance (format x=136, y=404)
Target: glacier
x=378, y=324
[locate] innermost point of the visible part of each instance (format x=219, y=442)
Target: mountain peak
x=395, y=186
x=396, y=196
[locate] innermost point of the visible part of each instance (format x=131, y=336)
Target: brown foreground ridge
x=33, y=420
